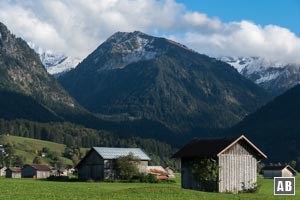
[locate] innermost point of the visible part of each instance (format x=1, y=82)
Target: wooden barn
x=235, y=162
x=13, y=172
x=99, y=163
x=37, y=171
x=278, y=171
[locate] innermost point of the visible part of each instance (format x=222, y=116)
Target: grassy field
x=29, y=147
x=28, y=189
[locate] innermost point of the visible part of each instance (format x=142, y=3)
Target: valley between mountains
x=140, y=90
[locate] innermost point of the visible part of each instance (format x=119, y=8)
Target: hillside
x=275, y=127
x=29, y=148
x=141, y=77
x=21, y=71
x=15, y=105
x=27, y=91
x=73, y=135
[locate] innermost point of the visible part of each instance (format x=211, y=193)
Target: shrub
x=148, y=178
x=127, y=167
x=253, y=189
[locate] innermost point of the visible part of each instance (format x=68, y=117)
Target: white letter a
x=280, y=186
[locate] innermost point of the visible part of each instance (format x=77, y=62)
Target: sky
x=238, y=28
x=284, y=13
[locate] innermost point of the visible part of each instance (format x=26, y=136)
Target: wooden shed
x=236, y=161
x=279, y=171
x=3, y=171
x=35, y=171
x=99, y=163
x=13, y=172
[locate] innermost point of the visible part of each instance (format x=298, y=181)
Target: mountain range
x=275, y=77
x=141, y=77
x=135, y=84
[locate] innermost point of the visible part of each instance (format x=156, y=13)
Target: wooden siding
x=287, y=173
x=10, y=174
x=2, y=171
x=92, y=167
x=142, y=166
x=237, y=169
x=42, y=174
x=272, y=173
x=237, y=173
x=95, y=168
x=277, y=173
x=30, y=172
x=188, y=181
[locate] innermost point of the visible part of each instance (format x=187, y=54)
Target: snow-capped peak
x=274, y=76
x=251, y=64
x=127, y=48
x=55, y=63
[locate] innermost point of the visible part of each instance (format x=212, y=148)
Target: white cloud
x=77, y=27
x=245, y=38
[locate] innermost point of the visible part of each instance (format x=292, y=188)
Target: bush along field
x=28, y=189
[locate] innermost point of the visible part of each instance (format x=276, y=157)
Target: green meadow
x=28, y=189
x=28, y=148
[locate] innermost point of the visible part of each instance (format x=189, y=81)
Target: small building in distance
x=3, y=171
x=99, y=162
x=171, y=173
x=235, y=162
x=13, y=172
x=37, y=171
x=158, y=171
x=278, y=171
x=2, y=149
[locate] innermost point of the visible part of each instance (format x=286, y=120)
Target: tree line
x=76, y=135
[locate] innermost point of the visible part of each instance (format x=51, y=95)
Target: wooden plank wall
x=237, y=170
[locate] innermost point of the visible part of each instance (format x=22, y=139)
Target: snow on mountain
x=55, y=63
x=276, y=77
x=132, y=47
x=63, y=66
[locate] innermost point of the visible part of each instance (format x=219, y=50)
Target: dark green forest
x=75, y=135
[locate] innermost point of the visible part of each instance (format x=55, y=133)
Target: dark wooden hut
x=13, y=172
x=278, y=171
x=37, y=171
x=236, y=161
x=99, y=163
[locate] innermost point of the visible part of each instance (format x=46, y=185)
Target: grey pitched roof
x=114, y=153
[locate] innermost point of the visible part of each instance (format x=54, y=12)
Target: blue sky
x=239, y=28
x=285, y=13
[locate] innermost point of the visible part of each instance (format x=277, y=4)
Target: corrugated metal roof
x=114, y=153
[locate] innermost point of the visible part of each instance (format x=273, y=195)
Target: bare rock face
x=21, y=71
